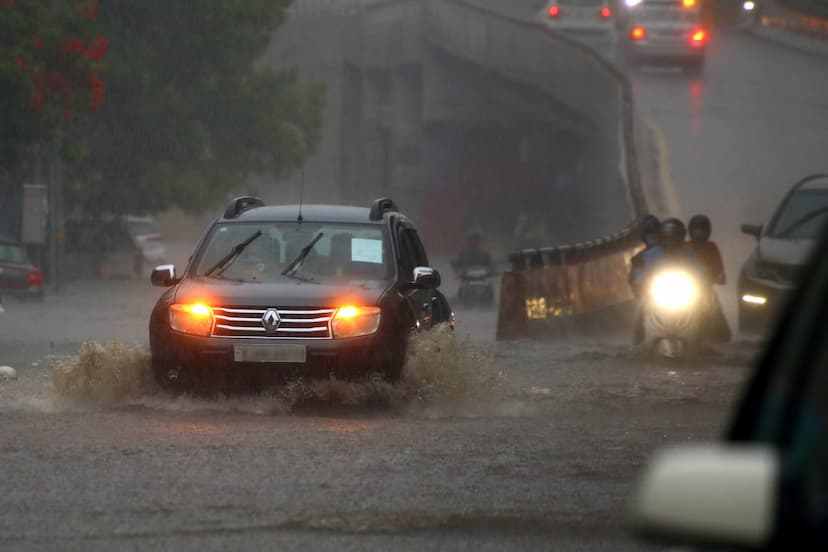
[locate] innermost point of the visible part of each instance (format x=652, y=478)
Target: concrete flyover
x=467, y=117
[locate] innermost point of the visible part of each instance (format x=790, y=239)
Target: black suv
x=275, y=292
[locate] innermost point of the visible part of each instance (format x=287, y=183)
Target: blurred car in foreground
x=782, y=249
x=591, y=22
x=666, y=32
x=766, y=486
x=18, y=276
x=279, y=292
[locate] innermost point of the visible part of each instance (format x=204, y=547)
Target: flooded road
x=481, y=446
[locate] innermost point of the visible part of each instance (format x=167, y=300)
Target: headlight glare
x=674, y=290
x=351, y=321
x=195, y=319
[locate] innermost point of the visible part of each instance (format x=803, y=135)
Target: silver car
x=666, y=33
x=590, y=22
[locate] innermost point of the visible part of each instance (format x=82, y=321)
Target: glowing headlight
x=632, y=3
x=754, y=299
x=196, y=319
x=748, y=6
x=674, y=290
x=353, y=321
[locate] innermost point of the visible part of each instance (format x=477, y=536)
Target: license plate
x=294, y=354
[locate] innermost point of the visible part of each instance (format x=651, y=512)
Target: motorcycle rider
x=669, y=249
x=473, y=255
x=710, y=258
x=649, y=235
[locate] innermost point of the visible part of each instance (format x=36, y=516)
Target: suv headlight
x=195, y=319
x=352, y=321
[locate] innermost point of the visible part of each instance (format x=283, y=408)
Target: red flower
x=97, y=50
x=97, y=88
x=38, y=41
x=38, y=99
x=74, y=46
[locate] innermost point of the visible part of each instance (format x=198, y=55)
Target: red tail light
x=606, y=12
x=554, y=10
x=699, y=37
x=35, y=277
x=638, y=33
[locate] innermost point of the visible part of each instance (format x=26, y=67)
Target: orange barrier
x=551, y=290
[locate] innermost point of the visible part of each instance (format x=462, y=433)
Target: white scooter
x=674, y=303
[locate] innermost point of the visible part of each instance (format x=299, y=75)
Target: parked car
x=766, y=486
x=273, y=292
x=147, y=237
x=782, y=249
x=666, y=32
x=18, y=276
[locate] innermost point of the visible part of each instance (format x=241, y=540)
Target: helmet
x=649, y=226
x=699, y=228
x=672, y=233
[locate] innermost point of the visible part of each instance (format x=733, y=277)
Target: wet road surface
x=524, y=445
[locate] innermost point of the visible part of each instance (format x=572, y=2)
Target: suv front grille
x=295, y=323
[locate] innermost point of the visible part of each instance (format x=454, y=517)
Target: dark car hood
x=275, y=294
x=788, y=252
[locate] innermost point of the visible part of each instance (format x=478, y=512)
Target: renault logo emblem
x=271, y=320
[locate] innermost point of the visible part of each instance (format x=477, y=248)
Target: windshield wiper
x=296, y=263
x=225, y=262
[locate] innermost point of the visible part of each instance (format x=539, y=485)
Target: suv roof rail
x=241, y=204
x=380, y=207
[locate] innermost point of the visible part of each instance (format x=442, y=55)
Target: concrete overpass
x=465, y=116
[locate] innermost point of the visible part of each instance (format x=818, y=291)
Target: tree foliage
x=49, y=55
x=189, y=113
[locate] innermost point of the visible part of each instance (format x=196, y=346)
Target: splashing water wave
x=443, y=375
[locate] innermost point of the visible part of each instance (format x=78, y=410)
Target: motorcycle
x=476, y=289
x=675, y=303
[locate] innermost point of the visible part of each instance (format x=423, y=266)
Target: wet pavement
x=482, y=445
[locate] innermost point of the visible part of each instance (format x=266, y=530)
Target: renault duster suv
x=278, y=292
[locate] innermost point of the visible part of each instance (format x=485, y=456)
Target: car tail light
x=606, y=12
x=699, y=37
x=638, y=33
x=35, y=277
x=196, y=319
x=554, y=10
x=688, y=3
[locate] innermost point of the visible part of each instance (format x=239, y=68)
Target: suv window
x=412, y=252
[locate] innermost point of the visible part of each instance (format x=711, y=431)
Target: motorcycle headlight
x=352, y=321
x=195, y=319
x=674, y=290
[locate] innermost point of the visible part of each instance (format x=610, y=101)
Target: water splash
x=443, y=375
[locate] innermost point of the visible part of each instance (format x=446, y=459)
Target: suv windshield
x=12, y=253
x=648, y=14
x=346, y=253
x=803, y=216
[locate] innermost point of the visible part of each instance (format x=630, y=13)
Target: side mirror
x=425, y=278
x=164, y=276
x=754, y=230
x=713, y=494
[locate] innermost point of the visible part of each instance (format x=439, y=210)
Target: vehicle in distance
x=781, y=251
x=146, y=237
x=591, y=22
x=278, y=292
x=18, y=276
x=666, y=32
x=765, y=487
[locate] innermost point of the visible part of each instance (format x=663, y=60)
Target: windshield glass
x=346, y=253
x=585, y=3
x=793, y=220
x=12, y=253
